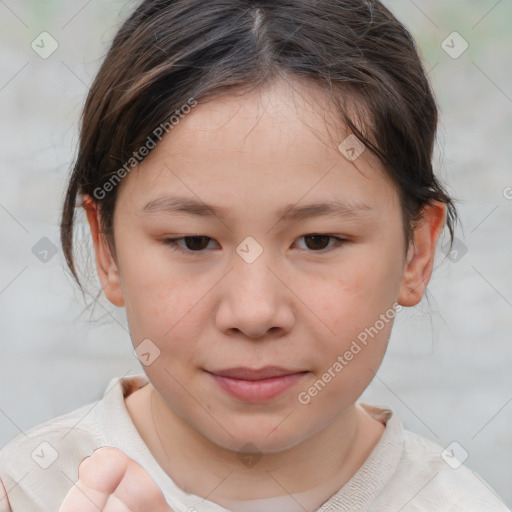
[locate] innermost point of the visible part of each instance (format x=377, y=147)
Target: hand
x=110, y=481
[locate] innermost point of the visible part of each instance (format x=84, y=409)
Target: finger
x=82, y=499
x=98, y=477
x=138, y=492
x=104, y=469
x=110, y=481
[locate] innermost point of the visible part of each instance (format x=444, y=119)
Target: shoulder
x=40, y=465
x=430, y=477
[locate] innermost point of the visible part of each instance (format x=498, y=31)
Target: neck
x=311, y=471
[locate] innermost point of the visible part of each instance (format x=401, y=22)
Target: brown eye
x=319, y=242
x=198, y=244
x=192, y=243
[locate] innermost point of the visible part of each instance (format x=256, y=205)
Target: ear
x=106, y=265
x=420, y=256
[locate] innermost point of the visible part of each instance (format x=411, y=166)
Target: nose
x=255, y=301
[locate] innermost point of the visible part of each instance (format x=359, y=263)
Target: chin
x=258, y=435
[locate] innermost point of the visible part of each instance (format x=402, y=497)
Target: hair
x=169, y=51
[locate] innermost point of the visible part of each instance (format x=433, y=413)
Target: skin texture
x=112, y=482
x=299, y=305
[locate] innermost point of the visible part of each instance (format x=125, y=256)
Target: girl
x=222, y=142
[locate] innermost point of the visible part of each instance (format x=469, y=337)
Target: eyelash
x=172, y=243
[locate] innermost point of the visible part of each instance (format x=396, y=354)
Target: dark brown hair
x=169, y=51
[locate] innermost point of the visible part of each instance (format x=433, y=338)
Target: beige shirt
x=405, y=472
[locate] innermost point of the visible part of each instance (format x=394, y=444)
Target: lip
x=245, y=373
x=256, y=385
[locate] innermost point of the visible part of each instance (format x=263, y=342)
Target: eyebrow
x=190, y=206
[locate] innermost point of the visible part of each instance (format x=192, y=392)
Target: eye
x=318, y=241
x=192, y=243
x=196, y=244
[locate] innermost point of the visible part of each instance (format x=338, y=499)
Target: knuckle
x=105, y=466
x=103, y=455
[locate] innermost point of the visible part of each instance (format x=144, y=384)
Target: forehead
x=272, y=147
x=267, y=121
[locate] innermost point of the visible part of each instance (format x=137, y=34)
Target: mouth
x=256, y=385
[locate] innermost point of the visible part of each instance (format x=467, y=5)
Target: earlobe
x=106, y=265
x=420, y=257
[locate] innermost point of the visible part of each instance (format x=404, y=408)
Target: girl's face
x=253, y=288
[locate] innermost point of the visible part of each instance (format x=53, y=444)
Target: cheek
x=158, y=299
x=358, y=308
x=148, y=275
x=357, y=297
x=173, y=314
x=348, y=362
x=161, y=311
